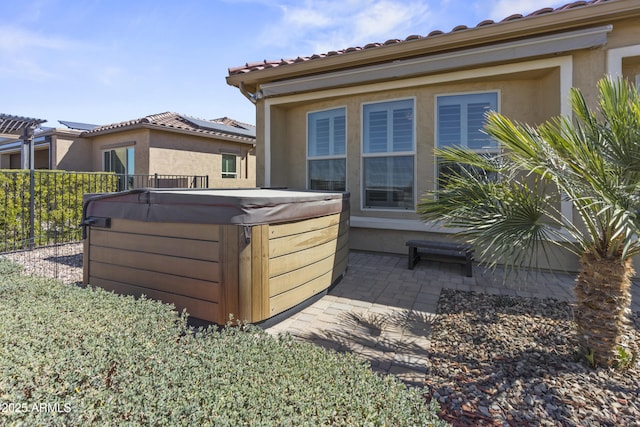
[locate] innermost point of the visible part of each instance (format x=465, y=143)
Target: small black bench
x=441, y=251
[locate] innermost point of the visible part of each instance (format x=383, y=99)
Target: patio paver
x=382, y=311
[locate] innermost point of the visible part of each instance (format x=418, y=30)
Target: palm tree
x=508, y=205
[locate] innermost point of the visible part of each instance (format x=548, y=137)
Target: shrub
x=8, y=267
x=73, y=356
x=57, y=204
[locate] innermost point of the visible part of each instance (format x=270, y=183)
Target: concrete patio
x=382, y=311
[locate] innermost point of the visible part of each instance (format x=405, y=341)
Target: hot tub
x=250, y=254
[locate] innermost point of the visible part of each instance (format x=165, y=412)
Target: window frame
x=331, y=156
x=234, y=174
x=126, y=180
x=436, y=138
x=129, y=160
x=388, y=154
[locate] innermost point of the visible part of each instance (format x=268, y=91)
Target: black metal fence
x=42, y=208
x=130, y=182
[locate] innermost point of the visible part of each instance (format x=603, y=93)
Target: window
x=388, y=152
x=327, y=149
x=122, y=162
x=460, y=119
x=119, y=160
x=229, y=166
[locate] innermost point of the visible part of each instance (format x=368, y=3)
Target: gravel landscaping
x=62, y=262
x=498, y=360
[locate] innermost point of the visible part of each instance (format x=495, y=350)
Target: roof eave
x=100, y=132
x=153, y=126
x=61, y=132
x=476, y=36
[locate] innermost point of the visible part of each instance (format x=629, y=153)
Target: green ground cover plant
x=74, y=356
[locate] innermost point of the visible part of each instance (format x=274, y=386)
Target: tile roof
x=224, y=126
x=256, y=66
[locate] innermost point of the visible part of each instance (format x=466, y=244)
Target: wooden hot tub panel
x=217, y=271
x=305, y=258
x=178, y=263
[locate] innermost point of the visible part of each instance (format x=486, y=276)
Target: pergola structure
x=23, y=127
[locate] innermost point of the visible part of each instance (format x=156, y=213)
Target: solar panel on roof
x=78, y=125
x=209, y=125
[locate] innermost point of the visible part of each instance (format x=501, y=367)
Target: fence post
x=155, y=180
x=206, y=181
x=32, y=208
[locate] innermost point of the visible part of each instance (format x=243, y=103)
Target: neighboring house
x=367, y=119
x=12, y=155
x=163, y=144
x=174, y=144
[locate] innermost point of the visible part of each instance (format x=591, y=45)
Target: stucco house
x=164, y=144
x=367, y=119
x=175, y=144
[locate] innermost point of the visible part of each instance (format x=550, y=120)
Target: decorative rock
x=512, y=362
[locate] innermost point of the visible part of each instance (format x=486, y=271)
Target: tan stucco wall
x=631, y=68
x=72, y=154
x=393, y=241
x=65, y=150
x=530, y=97
x=625, y=33
x=260, y=148
x=13, y=160
x=180, y=162
x=287, y=147
x=190, y=155
x=41, y=158
x=139, y=139
x=170, y=153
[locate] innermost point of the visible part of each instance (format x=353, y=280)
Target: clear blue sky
x=101, y=61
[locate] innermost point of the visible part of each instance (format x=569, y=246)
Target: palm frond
x=594, y=162
x=505, y=219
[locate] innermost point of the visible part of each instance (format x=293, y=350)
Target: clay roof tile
x=178, y=121
x=249, y=67
x=572, y=5
x=485, y=22
x=542, y=11
x=512, y=17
